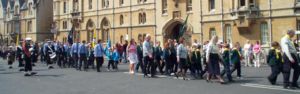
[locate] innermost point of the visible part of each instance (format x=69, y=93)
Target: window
x=141, y=1
x=298, y=1
x=121, y=20
x=164, y=6
x=16, y=10
x=265, y=37
x=65, y=7
x=228, y=33
x=242, y=2
x=29, y=26
x=8, y=12
x=142, y=18
x=90, y=4
x=298, y=25
x=75, y=6
x=105, y=3
x=65, y=25
x=189, y=5
x=252, y=1
x=211, y=5
x=212, y=32
x=30, y=8
x=121, y=2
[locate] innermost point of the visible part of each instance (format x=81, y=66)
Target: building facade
x=231, y=20
x=27, y=18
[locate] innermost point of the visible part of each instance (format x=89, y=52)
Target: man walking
x=83, y=52
x=148, y=57
x=98, y=53
x=290, y=60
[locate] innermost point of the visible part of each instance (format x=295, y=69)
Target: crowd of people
x=172, y=59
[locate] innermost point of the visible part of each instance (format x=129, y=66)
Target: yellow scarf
x=278, y=53
x=237, y=51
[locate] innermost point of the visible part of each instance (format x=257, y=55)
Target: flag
x=17, y=41
x=184, y=26
x=108, y=46
x=70, y=36
x=94, y=37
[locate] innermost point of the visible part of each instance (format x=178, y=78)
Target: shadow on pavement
x=9, y=72
x=49, y=75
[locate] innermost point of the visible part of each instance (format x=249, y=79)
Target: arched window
x=121, y=20
x=140, y=18
x=265, y=35
x=29, y=26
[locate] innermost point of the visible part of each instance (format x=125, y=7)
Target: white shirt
x=212, y=49
x=288, y=47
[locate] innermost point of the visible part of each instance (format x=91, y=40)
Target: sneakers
x=10, y=67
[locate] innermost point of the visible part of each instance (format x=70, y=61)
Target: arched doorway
x=90, y=27
x=105, y=28
x=171, y=30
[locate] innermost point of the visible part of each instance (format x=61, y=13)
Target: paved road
x=70, y=81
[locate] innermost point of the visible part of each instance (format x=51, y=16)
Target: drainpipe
x=130, y=20
x=222, y=20
x=270, y=21
x=155, y=27
x=201, y=23
x=97, y=31
x=114, y=22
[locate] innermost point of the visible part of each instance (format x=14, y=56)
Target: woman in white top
x=213, y=59
x=248, y=54
x=132, y=55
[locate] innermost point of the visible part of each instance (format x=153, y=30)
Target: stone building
x=232, y=20
x=27, y=18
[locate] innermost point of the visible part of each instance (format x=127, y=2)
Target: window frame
x=189, y=5
x=265, y=34
x=211, y=5
x=164, y=6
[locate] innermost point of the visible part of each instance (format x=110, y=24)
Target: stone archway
x=172, y=28
x=105, y=29
x=90, y=27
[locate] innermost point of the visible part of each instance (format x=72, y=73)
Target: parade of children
x=214, y=61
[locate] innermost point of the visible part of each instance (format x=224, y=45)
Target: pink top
x=132, y=49
x=256, y=48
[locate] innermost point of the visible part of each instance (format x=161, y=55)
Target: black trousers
x=111, y=64
x=21, y=62
x=140, y=65
x=276, y=69
x=149, y=66
x=161, y=66
x=237, y=68
x=287, y=66
x=227, y=71
x=75, y=60
x=99, y=62
x=28, y=65
x=169, y=67
x=174, y=64
x=82, y=62
x=91, y=61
